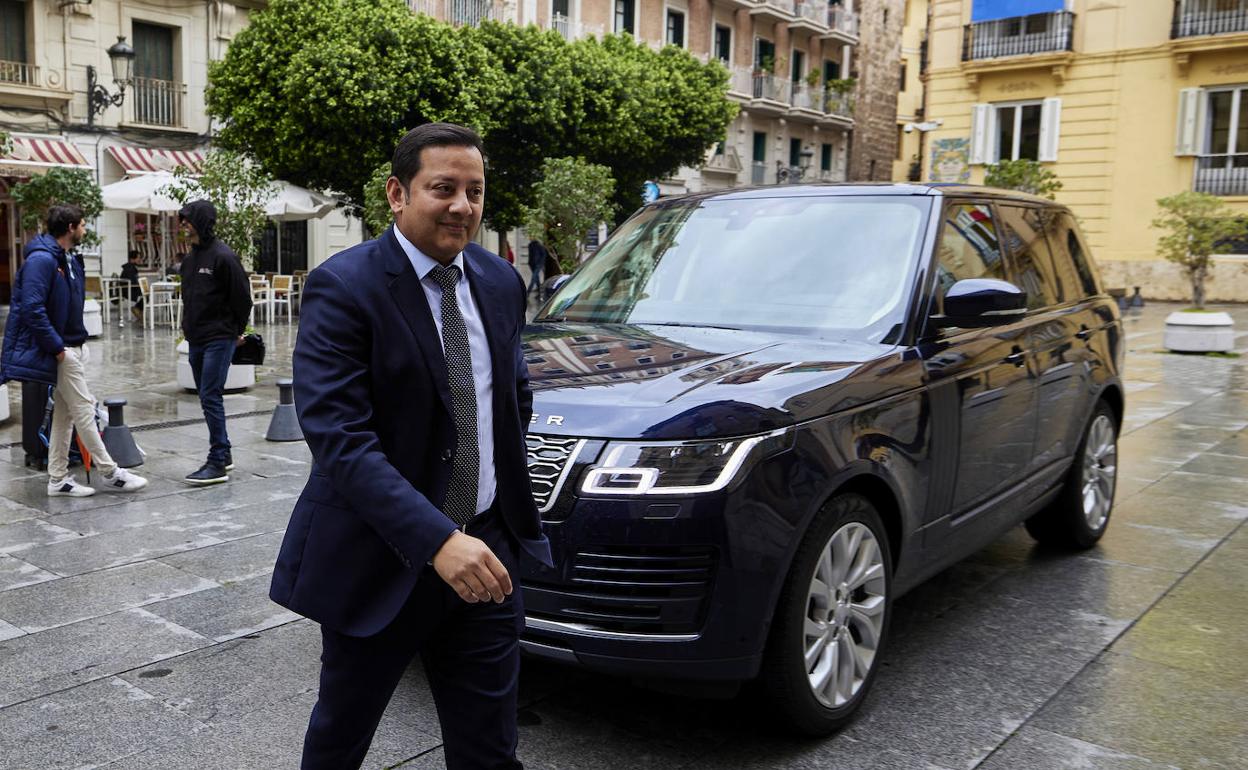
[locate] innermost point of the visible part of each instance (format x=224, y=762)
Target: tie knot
x=445, y=276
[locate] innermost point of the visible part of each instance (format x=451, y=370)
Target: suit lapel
x=491, y=311
x=409, y=295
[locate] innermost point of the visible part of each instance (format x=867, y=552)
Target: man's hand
x=60, y=356
x=469, y=566
x=238, y=343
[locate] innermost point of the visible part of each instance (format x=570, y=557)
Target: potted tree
x=1193, y=225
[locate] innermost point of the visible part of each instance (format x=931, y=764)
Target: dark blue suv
x=762, y=415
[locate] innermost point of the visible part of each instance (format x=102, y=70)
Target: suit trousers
x=471, y=658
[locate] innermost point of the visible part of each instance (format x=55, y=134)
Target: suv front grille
x=550, y=458
x=656, y=590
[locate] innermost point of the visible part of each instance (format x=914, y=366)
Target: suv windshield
x=836, y=266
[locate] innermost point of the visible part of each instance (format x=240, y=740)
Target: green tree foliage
x=377, y=214
x=572, y=197
x=239, y=190
x=318, y=91
x=1194, y=225
x=60, y=185
x=6, y=142
x=1024, y=175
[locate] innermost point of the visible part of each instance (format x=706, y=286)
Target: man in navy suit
x=414, y=398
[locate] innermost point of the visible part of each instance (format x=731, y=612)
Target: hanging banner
x=989, y=10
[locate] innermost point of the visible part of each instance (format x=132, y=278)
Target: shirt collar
x=422, y=263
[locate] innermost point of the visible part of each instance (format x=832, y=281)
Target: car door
x=982, y=390
x=1053, y=319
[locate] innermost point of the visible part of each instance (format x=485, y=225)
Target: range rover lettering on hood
x=551, y=419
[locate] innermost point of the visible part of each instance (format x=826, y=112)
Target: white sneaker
x=123, y=480
x=67, y=487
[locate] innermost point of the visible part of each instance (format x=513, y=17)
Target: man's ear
x=396, y=196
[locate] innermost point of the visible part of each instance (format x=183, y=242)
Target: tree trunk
x=1198, y=288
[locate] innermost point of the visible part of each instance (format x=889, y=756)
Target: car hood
x=670, y=382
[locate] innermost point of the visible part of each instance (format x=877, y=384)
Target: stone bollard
x=1137, y=299
x=117, y=439
x=285, y=423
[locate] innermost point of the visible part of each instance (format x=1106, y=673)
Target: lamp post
x=121, y=57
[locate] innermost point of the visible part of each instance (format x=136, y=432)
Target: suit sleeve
x=333, y=401
x=524, y=394
x=37, y=276
x=239, y=294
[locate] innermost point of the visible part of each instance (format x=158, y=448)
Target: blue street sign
x=649, y=192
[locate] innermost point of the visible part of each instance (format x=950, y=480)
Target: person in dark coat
x=216, y=303
x=413, y=393
x=45, y=342
x=130, y=274
x=537, y=264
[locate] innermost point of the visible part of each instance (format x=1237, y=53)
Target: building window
x=797, y=71
x=764, y=55
x=795, y=153
x=825, y=157
x=1018, y=132
x=624, y=15
x=723, y=43
x=14, y=67
x=831, y=70
x=758, y=170
x=285, y=257
x=1222, y=168
x=902, y=81
x=156, y=96
x=901, y=142
x=676, y=29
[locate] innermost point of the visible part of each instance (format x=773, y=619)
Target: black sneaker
x=209, y=474
x=229, y=461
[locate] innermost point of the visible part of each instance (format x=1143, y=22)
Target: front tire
x=832, y=619
x=1078, y=516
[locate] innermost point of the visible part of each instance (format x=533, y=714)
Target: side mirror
x=977, y=303
x=553, y=284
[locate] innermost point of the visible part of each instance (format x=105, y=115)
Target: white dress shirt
x=482, y=376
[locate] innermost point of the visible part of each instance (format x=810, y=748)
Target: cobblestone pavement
x=135, y=632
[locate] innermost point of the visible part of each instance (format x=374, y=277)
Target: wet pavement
x=136, y=632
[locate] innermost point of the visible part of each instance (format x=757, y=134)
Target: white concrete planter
x=1200, y=332
x=4, y=402
x=91, y=318
x=240, y=376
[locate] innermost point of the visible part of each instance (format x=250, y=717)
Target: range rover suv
x=762, y=415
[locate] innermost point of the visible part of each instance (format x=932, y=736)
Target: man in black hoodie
x=216, y=303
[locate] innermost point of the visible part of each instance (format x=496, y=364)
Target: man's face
x=78, y=232
x=441, y=209
x=189, y=230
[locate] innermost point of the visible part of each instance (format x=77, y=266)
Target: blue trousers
x=471, y=657
x=210, y=364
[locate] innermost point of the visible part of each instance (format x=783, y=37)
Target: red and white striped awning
x=144, y=160
x=36, y=154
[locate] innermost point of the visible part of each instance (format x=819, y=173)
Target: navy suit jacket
x=373, y=400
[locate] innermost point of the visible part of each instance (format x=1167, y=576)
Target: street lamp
x=121, y=57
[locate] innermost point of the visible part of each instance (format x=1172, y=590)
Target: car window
x=1070, y=260
x=1023, y=228
x=969, y=247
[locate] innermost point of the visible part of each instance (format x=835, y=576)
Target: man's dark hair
x=406, y=161
x=134, y=254
x=62, y=218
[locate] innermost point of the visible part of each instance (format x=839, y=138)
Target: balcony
x=811, y=15
x=1223, y=174
x=842, y=25
x=774, y=10
x=1018, y=36
x=770, y=94
x=1193, y=18
x=471, y=13
x=727, y=162
x=19, y=73
x=157, y=102
x=741, y=83
x=838, y=105
x=573, y=30
x=807, y=101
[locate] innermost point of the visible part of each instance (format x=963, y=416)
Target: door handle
x=1084, y=333
x=1017, y=357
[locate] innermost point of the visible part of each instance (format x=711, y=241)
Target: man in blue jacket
x=414, y=397
x=45, y=343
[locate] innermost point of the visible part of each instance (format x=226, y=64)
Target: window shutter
x=1190, y=121
x=1050, y=129
x=981, y=132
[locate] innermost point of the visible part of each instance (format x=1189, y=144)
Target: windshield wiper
x=687, y=325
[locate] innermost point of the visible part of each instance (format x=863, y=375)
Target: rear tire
x=1077, y=518
x=832, y=619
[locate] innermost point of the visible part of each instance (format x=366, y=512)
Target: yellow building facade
x=1127, y=101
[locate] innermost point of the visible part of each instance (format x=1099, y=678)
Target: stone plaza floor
x=136, y=632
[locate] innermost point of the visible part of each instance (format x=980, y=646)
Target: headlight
x=677, y=467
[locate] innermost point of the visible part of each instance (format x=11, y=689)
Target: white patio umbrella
x=293, y=203
x=141, y=194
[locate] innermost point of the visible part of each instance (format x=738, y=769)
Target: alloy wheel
x=1100, y=468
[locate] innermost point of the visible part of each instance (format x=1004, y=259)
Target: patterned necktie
x=461, y=494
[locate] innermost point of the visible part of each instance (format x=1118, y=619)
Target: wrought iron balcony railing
x=1209, y=17
x=771, y=88
x=1222, y=174
x=157, y=102
x=1018, y=36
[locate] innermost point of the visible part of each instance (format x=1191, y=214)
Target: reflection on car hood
x=619, y=381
